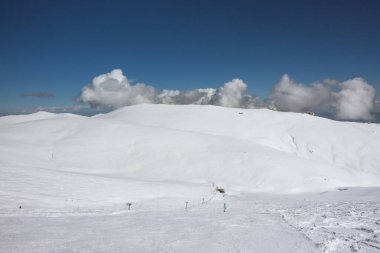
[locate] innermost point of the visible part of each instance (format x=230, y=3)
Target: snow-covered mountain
x=65, y=181
x=241, y=149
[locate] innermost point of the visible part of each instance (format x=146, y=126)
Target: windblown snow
x=159, y=156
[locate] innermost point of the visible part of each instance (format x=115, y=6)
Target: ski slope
x=73, y=174
x=337, y=221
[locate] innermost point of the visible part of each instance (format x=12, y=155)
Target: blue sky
x=60, y=46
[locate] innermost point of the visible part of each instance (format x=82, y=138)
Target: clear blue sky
x=59, y=46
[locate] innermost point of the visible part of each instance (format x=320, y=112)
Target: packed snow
x=293, y=182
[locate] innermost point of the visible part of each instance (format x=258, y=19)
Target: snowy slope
x=345, y=144
x=246, y=150
x=65, y=180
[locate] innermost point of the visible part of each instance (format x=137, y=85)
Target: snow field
x=72, y=176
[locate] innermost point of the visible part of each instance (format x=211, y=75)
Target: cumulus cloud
x=232, y=93
x=198, y=96
x=355, y=100
x=38, y=94
x=290, y=96
x=349, y=100
x=114, y=90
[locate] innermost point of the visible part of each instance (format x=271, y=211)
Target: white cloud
x=198, y=96
x=231, y=93
x=355, y=100
x=290, y=96
x=351, y=100
x=115, y=90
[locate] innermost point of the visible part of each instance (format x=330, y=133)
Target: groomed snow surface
x=293, y=182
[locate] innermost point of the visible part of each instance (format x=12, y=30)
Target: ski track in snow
x=328, y=222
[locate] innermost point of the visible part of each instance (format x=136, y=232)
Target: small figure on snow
x=220, y=189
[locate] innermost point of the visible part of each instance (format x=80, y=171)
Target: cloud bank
x=114, y=90
x=353, y=99
x=56, y=109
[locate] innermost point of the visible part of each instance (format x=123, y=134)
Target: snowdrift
x=243, y=150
